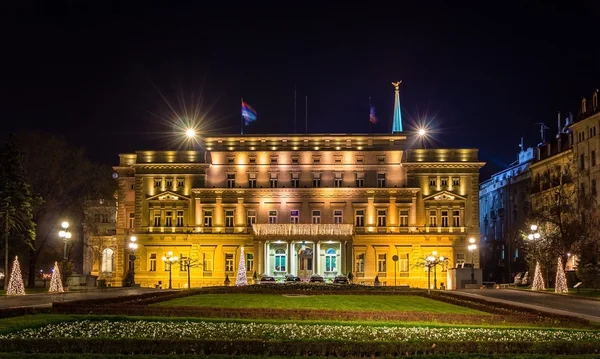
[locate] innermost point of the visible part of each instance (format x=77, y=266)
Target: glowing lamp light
x=133, y=238
x=534, y=227
x=471, y=240
x=190, y=133
x=530, y=236
x=133, y=245
x=65, y=224
x=536, y=235
x=422, y=132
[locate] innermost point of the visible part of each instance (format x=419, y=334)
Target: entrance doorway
x=305, y=263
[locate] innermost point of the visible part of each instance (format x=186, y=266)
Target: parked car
x=267, y=279
x=340, y=279
x=315, y=278
x=292, y=278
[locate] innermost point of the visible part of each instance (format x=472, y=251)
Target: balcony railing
x=281, y=229
x=409, y=230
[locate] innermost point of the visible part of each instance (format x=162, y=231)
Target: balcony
x=303, y=230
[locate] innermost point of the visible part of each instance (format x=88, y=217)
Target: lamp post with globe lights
x=472, y=247
x=433, y=260
x=538, y=281
x=133, y=246
x=65, y=234
x=170, y=259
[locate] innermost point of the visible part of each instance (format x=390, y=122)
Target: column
x=371, y=220
x=240, y=214
x=392, y=215
x=316, y=257
x=289, y=257
x=412, y=213
x=197, y=212
x=343, y=258
x=259, y=257
x=218, y=214
x=266, y=258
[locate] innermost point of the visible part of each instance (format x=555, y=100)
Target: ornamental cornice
x=306, y=192
x=170, y=166
x=474, y=165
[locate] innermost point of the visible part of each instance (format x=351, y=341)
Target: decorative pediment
x=168, y=196
x=444, y=196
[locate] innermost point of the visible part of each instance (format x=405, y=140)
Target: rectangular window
x=338, y=216
x=360, y=180
x=295, y=160
x=274, y=160
x=251, y=217
x=455, y=181
x=359, y=218
x=381, y=159
x=337, y=181
x=273, y=180
x=169, y=183
x=252, y=160
x=229, y=218
x=433, y=218
x=316, y=160
x=272, y=217
x=295, y=216
x=131, y=220
x=593, y=158
x=251, y=179
x=152, y=264
x=180, y=183
x=444, y=218
x=229, y=262
x=157, y=183
x=316, y=217
x=432, y=182
x=208, y=216
x=403, y=262
x=444, y=182
x=231, y=180
x=249, y=262
x=460, y=259
x=156, y=218
x=316, y=182
x=179, y=218
x=381, y=180
x=169, y=219
x=183, y=261
x=381, y=216
x=456, y=218
x=403, y=218
x=295, y=180
x=360, y=263
x=207, y=262
x=381, y=262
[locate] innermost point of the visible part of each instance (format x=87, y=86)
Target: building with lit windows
x=299, y=204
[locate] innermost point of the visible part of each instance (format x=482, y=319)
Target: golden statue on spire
x=397, y=85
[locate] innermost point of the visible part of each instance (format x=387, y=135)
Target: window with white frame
x=403, y=218
x=156, y=218
x=280, y=260
x=432, y=182
x=207, y=262
x=273, y=179
x=360, y=263
x=179, y=219
x=381, y=262
x=152, y=262
x=208, y=218
x=295, y=216
x=460, y=259
x=337, y=181
x=403, y=262
x=455, y=181
x=229, y=218
x=295, y=180
x=432, y=218
x=251, y=217
x=330, y=260
x=272, y=217
x=359, y=218
x=444, y=218
x=107, y=260
x=338, y=216
x=456, y=218
x=252, y=180
x=381, y=217
x=316, y=179
x=183, y=261
x=169, y=219
x=381, y=180
x=228, y=262
x=360, y=179
x=231, y=180
x=249, y=262
x=316, y=216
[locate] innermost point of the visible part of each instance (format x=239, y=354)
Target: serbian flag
x=248, y=113
x=372, y=117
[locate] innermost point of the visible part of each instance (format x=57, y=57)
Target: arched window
x=280, y=260
x=107, y=260
x=330, y=258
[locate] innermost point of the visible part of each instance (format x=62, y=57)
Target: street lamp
x=133, y=246
x=422, y=133
x=170, y=259
x=65, y=234
x=535, y=235
x=190, y=133
x=432, y=261
x=472, y=247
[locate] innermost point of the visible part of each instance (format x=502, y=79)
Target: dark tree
x=16, y=201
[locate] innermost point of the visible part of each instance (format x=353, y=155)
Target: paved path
x=559, y=304
x=46, y=299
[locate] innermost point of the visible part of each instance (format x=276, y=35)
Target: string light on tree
x=15, y=284
x=561, y=279
x=55, y=282
x=538, y=280
x=241, y=276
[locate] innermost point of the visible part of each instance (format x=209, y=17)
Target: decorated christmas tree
x=55, y=282
x=561, y=279
x=15, y=284
x=241, y=276
x=538, y=281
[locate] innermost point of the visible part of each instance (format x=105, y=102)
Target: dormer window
x=583, y=106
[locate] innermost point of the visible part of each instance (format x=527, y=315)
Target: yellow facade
x=298, y=204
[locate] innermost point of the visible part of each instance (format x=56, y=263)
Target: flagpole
x=370, y=123
x=242, y=115
x=306, y=114
x=295, y=108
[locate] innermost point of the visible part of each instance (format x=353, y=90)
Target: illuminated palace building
x=307, y=204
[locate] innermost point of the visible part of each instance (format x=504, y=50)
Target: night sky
x=109, y=77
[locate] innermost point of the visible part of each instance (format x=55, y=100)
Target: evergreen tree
x=16, y=201
x=241, y=276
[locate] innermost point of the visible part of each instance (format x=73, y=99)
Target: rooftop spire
x=397, y=125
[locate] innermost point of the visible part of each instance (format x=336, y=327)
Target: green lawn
x=403, y=303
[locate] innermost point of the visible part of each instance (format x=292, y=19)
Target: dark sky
x=105, y=75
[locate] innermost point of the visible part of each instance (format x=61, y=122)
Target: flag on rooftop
x=248, y=113
x=372, y=116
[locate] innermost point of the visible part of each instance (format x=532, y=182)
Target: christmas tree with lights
x=15, y=284
x=241, y=276
x=561, y=279
x=538, y=280
x=55, y=282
